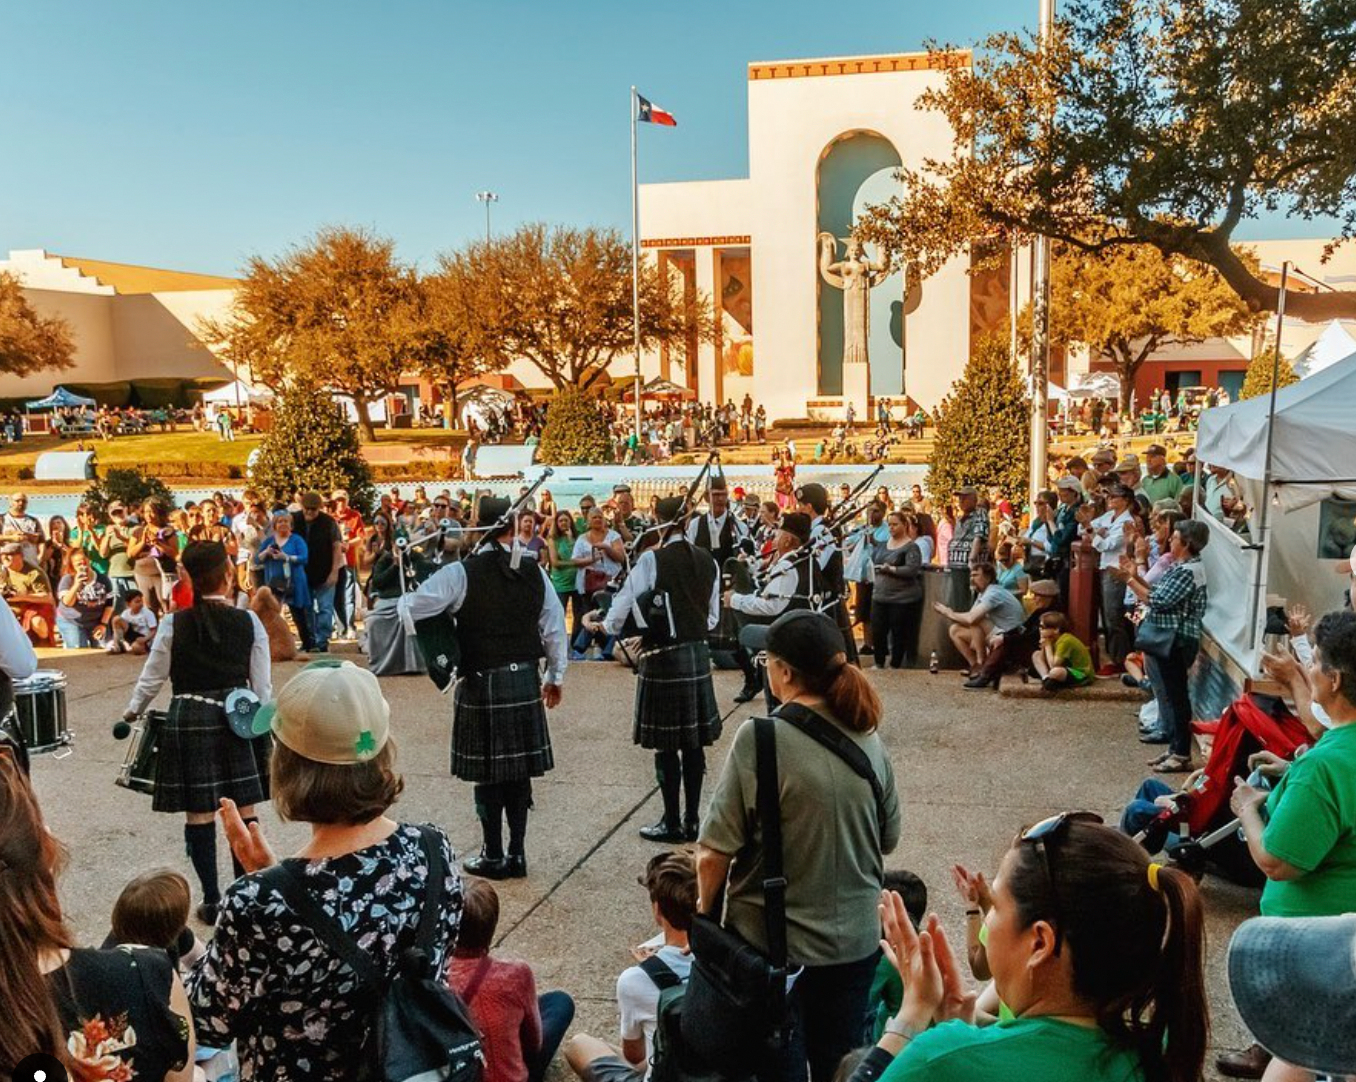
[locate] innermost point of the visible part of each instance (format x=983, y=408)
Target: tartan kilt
x=499, y=730
x=200, y=760
x=675, y=700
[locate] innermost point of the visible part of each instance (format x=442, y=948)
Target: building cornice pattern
x=859, y=65
x=695, y=242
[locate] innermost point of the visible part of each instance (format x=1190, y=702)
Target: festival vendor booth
x=1297, y=473
x=58, y=399
x=251, y=402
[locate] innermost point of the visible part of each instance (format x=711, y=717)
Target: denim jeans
x=73, y=635
x=557, y=1012
x=322, y=620
x=1142, y=814
x=1114, y=625
x=1168, y=676
x=344, y=600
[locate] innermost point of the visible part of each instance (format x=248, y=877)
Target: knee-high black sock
x=200, y=839
x=694, y=769
x=517, y=803
x=236, y=866
x=668, y=772
x=490, y=812
x=747, y=667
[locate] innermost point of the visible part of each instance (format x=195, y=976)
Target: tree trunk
x=450, y=406
x=368, y=433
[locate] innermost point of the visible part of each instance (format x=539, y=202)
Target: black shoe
x=1051, y=685
x=663, y=833
x=979, y=683
x=1154, y=737
x=207, y=912
x=515, y=866
x=486, y=867
x=748, y=693
x=691, y=828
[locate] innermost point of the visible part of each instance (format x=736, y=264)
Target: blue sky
x=191, y=135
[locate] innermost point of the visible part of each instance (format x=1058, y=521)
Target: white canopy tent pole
x=1264, y=512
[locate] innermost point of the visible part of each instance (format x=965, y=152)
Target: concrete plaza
x=972, y=769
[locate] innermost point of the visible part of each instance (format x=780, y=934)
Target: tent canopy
x=1336, y=343
x=1096, y=385
x=60, y=399
x=236, y=392
x=1315, y=437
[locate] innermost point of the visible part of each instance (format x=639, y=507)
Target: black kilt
x=200, y=760
x=499, y=728
x=675, y=700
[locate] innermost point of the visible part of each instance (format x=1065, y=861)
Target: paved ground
x=972, y=769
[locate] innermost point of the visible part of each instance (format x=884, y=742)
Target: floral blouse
x=114, y=1008
x=267, y=981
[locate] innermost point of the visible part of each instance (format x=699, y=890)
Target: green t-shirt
x=89, y=541
x=1312, y=825
x=119, y=566
x=1072, y=654
x=832, y=844
x=1167, y=487
x=1037, y=1048
x=563, y=578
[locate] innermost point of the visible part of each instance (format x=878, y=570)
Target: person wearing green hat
x=271, y=979
x=508, y=618
x=206, y=651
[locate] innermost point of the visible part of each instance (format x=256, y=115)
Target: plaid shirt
x=971, y=526
x=1177, y=602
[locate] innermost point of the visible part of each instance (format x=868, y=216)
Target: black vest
x=725, y=545
x=210, y=659
x=686, y=574
x=801, y=598
x=497, y=623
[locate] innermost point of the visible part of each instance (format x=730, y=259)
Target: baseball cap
x=1103, y=454
x=1129, y=462
x=1071, y=484
x=1045, y=588
x=1156, y=449
x=330, y=712
x=805, y=640
x=11, y=548
x=751, y=500
x=1294, y=982
x=965, y=490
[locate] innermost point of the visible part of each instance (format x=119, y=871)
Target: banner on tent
x=1230, y=571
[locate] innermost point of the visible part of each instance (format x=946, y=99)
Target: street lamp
x=487, y=197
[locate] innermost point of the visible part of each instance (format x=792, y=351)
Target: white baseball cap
x=330, y=712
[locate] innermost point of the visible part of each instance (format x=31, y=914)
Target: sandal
x=1173, y=764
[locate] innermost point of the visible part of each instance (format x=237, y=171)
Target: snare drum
x=138, y=768
x=40, y=710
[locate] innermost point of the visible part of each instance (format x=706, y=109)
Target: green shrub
x=1257, y=381
x=575, y=432
x=311, y=445
x=983, y=434
x=130, y=487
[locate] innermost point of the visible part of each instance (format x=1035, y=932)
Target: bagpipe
x=650, y=615
x=436, y=636
x=414, y=560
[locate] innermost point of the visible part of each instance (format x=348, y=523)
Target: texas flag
x=650, y=113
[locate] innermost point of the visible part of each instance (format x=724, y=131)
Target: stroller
x=1200, y=815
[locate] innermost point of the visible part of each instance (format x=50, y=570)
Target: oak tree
x=30, y=342
x=1145, y=123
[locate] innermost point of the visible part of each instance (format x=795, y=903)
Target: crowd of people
x=1083, y=955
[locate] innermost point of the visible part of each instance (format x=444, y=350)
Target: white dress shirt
x=644, y=573
x=1113, y=544
x=157, y=668
x=818, y=531
x=17, y=657
x=775, y=595
x=715, y=525
x=445, y=591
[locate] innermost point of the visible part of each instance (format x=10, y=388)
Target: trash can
x=951, y=587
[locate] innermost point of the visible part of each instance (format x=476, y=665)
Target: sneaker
x=575, y=655
x=1129, y=681
x=979, y=683
x=1108, y=669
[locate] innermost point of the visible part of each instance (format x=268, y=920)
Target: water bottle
x=934, y=664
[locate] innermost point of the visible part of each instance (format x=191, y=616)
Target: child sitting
x=1062, y=660
x=519, y=1031
x=152, y=911
x=134, y=627
x=887, y=990
x=671, y=882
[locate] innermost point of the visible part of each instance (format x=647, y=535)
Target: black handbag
x=1154, y=639
x=734, y=1011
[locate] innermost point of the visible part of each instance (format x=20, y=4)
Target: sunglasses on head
x=1043, y=835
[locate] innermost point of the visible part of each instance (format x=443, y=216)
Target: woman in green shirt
x=1305, y=842
x=560, y=555
x=1096, y=953
x=88, y=536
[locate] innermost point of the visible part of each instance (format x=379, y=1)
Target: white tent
x=237, y=393
x=1336, y=343
x=1054, y=392
x=1298, y=522
x=1096, y=385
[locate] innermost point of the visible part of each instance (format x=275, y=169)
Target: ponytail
x=1172, y=1045
x=848, y=694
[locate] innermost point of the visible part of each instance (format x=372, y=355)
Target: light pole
x=1040, y=320
x=487, y=197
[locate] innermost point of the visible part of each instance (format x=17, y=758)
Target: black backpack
x=422, y=1030
x=672, y=1060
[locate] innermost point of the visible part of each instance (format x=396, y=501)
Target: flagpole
x=635, y=265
